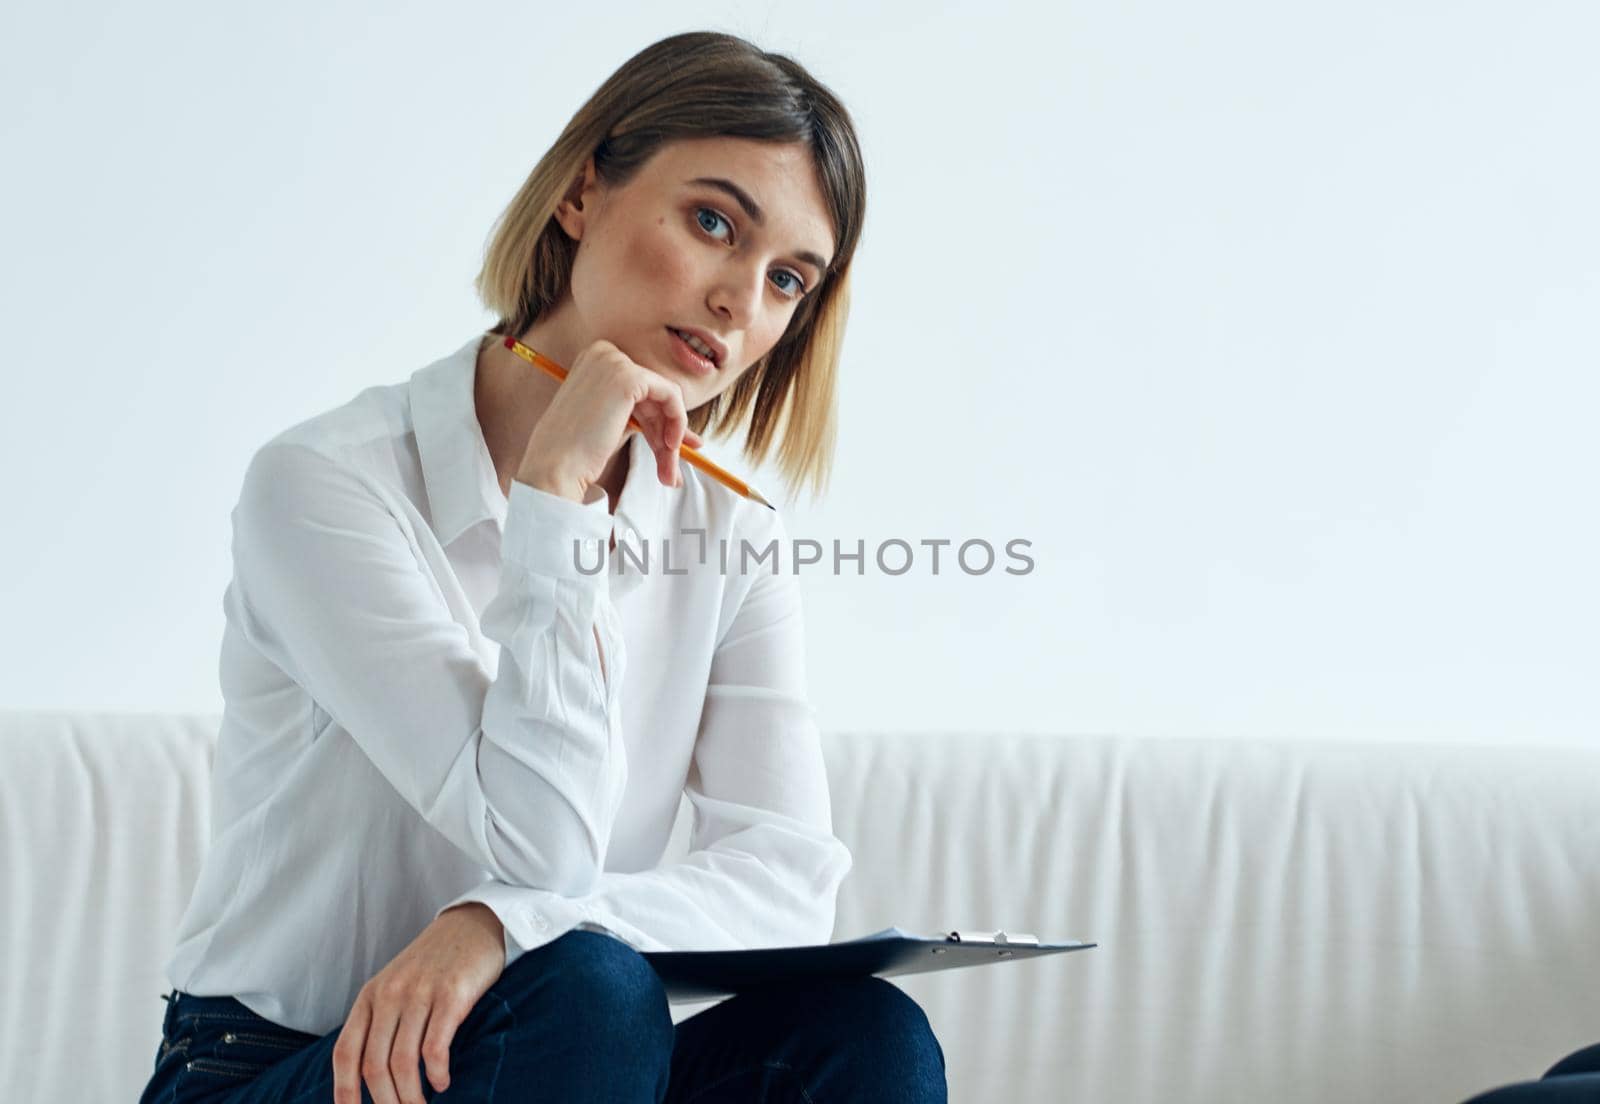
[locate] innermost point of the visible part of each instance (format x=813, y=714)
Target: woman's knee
x=589, y=982
x=869, y=1015
x=883, y=1011
x=886, y=1039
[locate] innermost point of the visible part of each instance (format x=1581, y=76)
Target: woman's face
x=674, y=249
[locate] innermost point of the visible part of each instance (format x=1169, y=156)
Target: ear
x=579, y=201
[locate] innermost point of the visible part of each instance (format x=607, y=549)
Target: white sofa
x=1277, y=921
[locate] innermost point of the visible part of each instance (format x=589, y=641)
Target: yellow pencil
x=728, y=480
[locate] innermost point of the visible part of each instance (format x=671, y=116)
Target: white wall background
x=1273, y=327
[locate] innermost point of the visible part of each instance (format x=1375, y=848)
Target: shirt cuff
x=555, y=536
x=596, y=926
x=527, y=925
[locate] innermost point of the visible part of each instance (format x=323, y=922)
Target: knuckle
x=395, y=991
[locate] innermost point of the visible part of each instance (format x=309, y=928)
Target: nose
x=736, y=295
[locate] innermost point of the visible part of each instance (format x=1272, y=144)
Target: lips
x=719, y=351
x=687, y=359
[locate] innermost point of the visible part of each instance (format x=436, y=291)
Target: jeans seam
x=500, y=1045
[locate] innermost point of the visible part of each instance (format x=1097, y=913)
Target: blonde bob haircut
x=704, y=84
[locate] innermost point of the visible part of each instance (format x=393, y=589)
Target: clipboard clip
x=998, y=938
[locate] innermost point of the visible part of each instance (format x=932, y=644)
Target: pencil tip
x=763, y=501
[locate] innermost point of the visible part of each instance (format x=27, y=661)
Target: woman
x=452, y=751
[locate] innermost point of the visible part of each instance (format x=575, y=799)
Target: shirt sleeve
x=521, y=769
x=764, y=867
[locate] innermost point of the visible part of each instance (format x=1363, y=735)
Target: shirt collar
x=643, y=500
x=459, y=474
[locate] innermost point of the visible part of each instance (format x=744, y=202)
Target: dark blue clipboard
x=707, y=975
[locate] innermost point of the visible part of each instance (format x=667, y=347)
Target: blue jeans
x=586, y=1018
x=1573, y=1080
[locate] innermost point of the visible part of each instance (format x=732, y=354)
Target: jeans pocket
x=218, y=1021
x=235, y=1071
x=227, y=1043
x=267, y=1042
x=259, y=1049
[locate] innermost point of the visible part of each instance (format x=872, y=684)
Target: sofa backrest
x=1277, y=921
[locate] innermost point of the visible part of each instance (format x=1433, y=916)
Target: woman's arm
x=521, y=770
x=764, y=867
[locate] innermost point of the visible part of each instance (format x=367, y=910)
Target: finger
x=656, y=427
x=693, y=439
x=405, y=1061
x=375, y=1059
x=669, y=396
x=347, y=1054
x=649, y=420
x=670, y=442
x=651, y=389
x=442, y=1025
x=680, y=437
x=667, y=460
x=674, y=424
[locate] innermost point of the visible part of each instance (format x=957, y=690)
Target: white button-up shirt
x=417, y=715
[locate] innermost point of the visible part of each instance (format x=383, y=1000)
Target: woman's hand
x=584, y=424
x=409, y=1012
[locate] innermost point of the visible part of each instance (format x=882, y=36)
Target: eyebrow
x=757, y=216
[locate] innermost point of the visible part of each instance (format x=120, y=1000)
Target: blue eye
x=795, y=290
